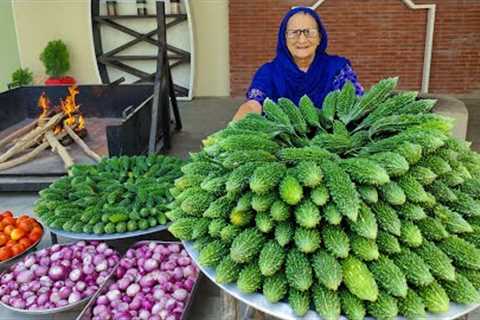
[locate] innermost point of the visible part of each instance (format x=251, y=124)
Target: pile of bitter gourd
x=119, y=194
x=367, y=206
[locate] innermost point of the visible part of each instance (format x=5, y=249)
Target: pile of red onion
x=153, y=282
x=58, y=276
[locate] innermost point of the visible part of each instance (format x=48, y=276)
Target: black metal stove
x=118, y=119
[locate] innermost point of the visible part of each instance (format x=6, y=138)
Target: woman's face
x=302, y=36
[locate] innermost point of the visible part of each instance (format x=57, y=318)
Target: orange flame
x=69, y=106
x=73, y=91
x=44, y=104
x=81, y=122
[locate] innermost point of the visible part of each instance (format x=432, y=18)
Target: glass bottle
x=111, y=8
x=175, y=7
x=140, y=6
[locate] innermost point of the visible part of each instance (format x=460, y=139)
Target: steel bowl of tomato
x=18, y=235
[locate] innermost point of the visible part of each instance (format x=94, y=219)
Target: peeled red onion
x=25, y=276
x=56, y=273
x=74, y=297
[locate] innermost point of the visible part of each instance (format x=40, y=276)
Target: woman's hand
x=249, y=106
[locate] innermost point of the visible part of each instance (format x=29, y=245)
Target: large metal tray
x=111, y=236
x=7, y=263
x=86, y=313
x=48, y=311
x=54, y=310
x=282, y=310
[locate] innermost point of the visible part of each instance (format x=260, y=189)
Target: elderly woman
x=301, y=66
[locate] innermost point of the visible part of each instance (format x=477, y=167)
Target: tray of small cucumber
x=107, y=223
x=118, y=198
x=113, y=226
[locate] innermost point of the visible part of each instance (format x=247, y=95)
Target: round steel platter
x=110, y=236
x=282, y=310
x=54, y=310
x=7, y=263
x=48, y=311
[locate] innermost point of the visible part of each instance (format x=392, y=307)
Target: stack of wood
x=45, y=132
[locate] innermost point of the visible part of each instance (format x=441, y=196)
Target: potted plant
x=56, y=60
x=21, y=77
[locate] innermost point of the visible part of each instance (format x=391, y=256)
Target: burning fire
x=81, y=122
x=44, y=104
x=68, y=106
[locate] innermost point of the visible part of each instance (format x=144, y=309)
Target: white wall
x=210, y=18
x=39, y=21
x=8, y=47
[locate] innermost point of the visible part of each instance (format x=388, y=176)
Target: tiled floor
x=202, y=117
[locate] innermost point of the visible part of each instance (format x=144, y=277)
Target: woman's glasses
x=308, y=33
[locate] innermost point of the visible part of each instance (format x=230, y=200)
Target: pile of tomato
x=17, y=234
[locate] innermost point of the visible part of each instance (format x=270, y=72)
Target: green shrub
x=21, y=77
x=55, y=58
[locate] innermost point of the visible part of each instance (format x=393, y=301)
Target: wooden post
x=230, y=307
x=30, y=155
x=30, y=138
x=258, y=315
x=58, y=148
x=18, y=133
x=82, y=144
x=24, y=158
x=173, y=99
x=157, y=84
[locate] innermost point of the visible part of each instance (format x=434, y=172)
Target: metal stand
x=162, y=90
x=254, y=314
x=53, y=238
x=115, y=59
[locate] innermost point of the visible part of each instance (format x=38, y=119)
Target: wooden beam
x=138, y=58
x=230, y=308
x=18, y=133
x=125, y=29
x=82, y=144
x=148, y=16
x=126, y=68
x=130, y=43
x=97, y=41
x=30, y=155
x=137, y=34
x=30, y=138
x=173, y=101
x=159, y=79
x=59, y=149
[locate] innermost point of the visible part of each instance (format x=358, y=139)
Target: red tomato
x=25, y=242
x=38, y=230
x=5, y=253
x=3, y=239
x=9, y=220
x=17, y=234
x=24, y=217
x=17, y=249
x=8, y=230
x=3, y=224
x=33, y=237
x=10, y=243
x=6, y=214
x=25, y=226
